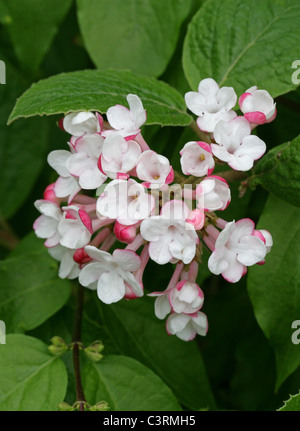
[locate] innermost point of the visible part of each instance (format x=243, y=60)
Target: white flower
x=75, y=228
x=187, y=326
x=68, y=267
x=257, y=106
x=235, y=145
x=154, y=168
x=236, y=248
x=119, y=155
x=170, y=236
x=213, y=193
x=211, y=104
x=126, y=201
x=110, y=273
x=66, y=185
x=124, y=121
x=186, y=297
x=196, y=159
x=46, y=226
x=84, y=163
x=79, y=123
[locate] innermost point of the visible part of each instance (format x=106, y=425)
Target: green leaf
x=291, y=405
x=30, y=291
x=22, y=147
x=127, y=385
x=96, y=90
x=274, y=288
x=279, y=171
x=244, y=43
x=136, y=332
x=31, y=378
x=142, y=35
x=32, y=25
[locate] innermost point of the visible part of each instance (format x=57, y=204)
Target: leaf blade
x=95, y=90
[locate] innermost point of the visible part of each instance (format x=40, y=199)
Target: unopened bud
x=65, y=407
x=93, y=351
x=58, y=346
x=102, y=406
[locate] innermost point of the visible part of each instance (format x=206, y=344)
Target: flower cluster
x=112, y=189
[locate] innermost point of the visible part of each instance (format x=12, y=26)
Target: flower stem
x=203, y=136
x=8, y=238
x=76, y=339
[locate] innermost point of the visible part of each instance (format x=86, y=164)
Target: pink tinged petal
x=99, y=255
x=234, y=272
x=125, y=233
x=200, y=323
x=204, y=146
x=176, y=323
x=259, y=102
x=268, y=239
x=86, y=220
x=53, y=240
x=273, y=116
x=57, y=160
x=50, y=195
x=196, y=218
x=255, y=117
x=121, y=176
x=128, y=260
x=162, y=307
x=91, y=274
x=259, y=235
x=242, y=98
x=45, y=227
x=130, y=279
x=111, y=287
x=170, y=177
x=81, y=257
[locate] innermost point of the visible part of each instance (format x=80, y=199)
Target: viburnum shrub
x=117, y=203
